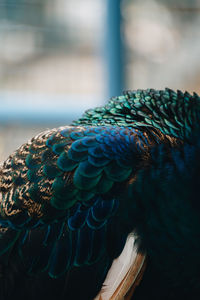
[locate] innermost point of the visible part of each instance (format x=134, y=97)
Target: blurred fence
x=58, y=57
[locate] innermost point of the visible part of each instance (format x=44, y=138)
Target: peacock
x=119, y=184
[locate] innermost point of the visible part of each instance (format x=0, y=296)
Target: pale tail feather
x=123, y=272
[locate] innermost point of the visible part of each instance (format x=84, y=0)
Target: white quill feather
x=119, y=269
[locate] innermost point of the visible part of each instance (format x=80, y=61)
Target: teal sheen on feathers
x=70, y=196
x=171, y=112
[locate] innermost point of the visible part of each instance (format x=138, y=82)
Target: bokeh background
x=60, y=57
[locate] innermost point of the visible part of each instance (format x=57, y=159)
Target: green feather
x=85, y=196
x=85, y=183
x=60, y=203
x=65, y=163
x=88, y=170
x=51, y=171
x=104, y=185
x=116, y=172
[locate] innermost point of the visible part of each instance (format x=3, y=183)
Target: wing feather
x=59, y=191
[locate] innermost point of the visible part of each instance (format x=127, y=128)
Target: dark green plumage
x=71, y=195
x=171, y=112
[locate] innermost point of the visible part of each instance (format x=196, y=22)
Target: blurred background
x=60, y=57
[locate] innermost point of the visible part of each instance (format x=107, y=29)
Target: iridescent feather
x=70, y=196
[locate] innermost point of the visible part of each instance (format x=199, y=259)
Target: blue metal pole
x=114, y=49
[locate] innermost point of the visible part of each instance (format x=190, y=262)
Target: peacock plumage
x=70, y=197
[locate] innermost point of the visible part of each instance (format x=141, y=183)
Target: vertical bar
x=114, y=49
